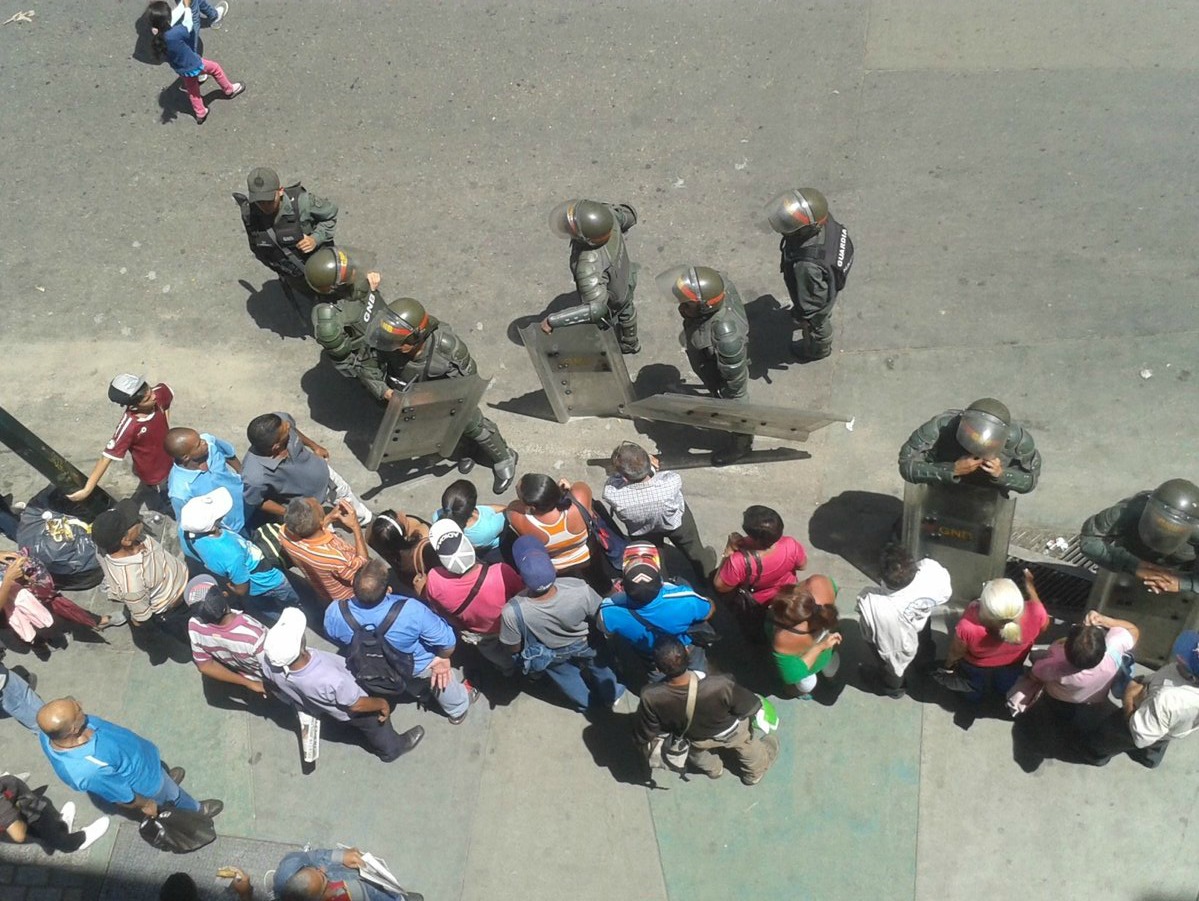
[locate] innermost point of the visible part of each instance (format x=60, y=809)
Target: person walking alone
x=179, y=45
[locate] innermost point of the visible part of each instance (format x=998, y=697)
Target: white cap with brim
x=285, y=639
x=456, y=553
x=201, y=513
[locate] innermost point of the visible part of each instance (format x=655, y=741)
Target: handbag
x=604, y=539
x=177, y=830
x=751, y=616
x=534, y=657
x=670, y=752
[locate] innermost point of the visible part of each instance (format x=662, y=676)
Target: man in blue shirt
x=417, y=631
x=98, y=757
x=204, y=463
x=649, y=610
x=312, y=874
x=238, y=563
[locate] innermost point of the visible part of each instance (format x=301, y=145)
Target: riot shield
x=966, y=528
x=581, y=370
x=732, y=416
x=426, y=419
x=1160, y=617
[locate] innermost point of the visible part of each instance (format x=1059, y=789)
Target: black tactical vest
x=273, y=241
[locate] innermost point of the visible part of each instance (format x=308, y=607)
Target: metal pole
x=53, y=465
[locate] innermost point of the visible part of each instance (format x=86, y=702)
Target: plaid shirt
x=652, y=505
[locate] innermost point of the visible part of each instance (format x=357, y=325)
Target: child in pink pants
x=179, y=44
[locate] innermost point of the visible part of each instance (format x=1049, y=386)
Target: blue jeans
x=269, y=604
x=19, y=701
x=987, y=679
x=585, y=681
x=170, y=793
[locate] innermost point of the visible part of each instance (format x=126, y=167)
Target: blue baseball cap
x=534, y=564
x=1186, y=651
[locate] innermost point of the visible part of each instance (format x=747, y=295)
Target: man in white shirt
x=1155, y=710
x=893, y=618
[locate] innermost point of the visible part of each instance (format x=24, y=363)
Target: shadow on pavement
x=342, y=405
x=561, y=302
x=143, y=52
x=770, y=326
x=679, y=445
x=534, y=405
x=274, y=311
x=609, y=739
x=855, y=526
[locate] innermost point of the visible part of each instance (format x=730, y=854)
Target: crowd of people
x=564, y=590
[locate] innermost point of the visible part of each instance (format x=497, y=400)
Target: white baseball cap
x=285, y=639
x=455, y=552
x=201, y=513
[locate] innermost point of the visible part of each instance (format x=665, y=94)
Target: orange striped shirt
x=328, y=563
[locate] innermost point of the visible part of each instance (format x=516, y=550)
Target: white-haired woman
x=994, y=636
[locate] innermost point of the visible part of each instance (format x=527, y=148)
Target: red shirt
x=447, y=592
x=779, y=563
x=142, y=435
x=986, y=649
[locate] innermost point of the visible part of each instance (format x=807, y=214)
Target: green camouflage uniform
x=932, y=450
x=606, y=280
x=718, y=346
x=1111, y=538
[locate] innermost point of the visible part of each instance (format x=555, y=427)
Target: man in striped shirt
x=226, y=645
x=328, y=562
x=138, y=572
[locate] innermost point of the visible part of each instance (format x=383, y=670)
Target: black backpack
x=379, y=667
x=834, y=256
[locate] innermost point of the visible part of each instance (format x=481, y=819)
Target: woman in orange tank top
x=547, y=510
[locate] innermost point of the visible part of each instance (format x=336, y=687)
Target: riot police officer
x=979, y=445
x=816, y=256
x=1153, y=534
x=390, y=346
x=284, y=225
x=599, y=261
x=716, y=337
x=332, y=273
x=340, y=323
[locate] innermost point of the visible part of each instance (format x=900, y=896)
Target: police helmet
x=327, y=269
x=1171, y=516
x=403, y=324
x=583, y=220
x=983, y=427
x=796, y=209
x=698, y=290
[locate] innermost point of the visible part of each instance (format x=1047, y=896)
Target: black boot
x=504, y=472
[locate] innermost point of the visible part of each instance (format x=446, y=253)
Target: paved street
x=1016, y=177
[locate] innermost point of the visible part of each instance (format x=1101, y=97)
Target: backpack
x=834, y=256
x=379, y=667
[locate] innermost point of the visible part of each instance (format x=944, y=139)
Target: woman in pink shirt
x=758, y=564
x=1080, y=668
x=994, y=636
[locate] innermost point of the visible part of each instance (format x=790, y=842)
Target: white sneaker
x=222, y=10
x=92, y=833
x=68, y=815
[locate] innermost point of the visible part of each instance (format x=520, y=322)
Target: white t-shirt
x=1170, y=709
x=892, y=621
